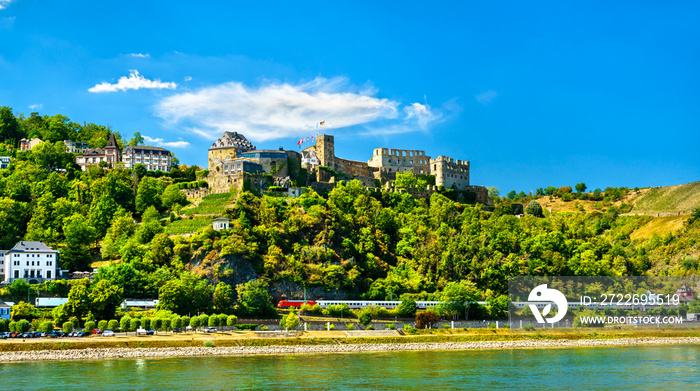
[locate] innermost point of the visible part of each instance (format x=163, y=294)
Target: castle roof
x=233, y=140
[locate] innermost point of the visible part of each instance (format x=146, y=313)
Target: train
x=424, y=305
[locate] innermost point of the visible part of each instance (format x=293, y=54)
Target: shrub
x=365, y=317
x=102, y=325
x=203, y=320
x=445, y=326
x=165, y=324
x=89, y=326
x=529, y=327
x=113, y=325
x=369, y=327
x=146, y=323
x=156, y=323
x=68, y=327
x=185, y=321
x=12, y=327
x=391, y=326
x=23, y=326
x=564, y=190
x=567, y=197
x=264, y=328
x=47, y=327
x=350, y=326
x=176, y=322
x=332, y=326
x=134, y=324
x=231, y=320
x=125, y=323
x=492, y=326
x=194, y=322
x=209, y=344
x=246, y=326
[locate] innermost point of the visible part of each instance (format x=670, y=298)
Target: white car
x=209, y=329
x=108, y=333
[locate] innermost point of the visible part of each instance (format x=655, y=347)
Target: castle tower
x=111, y=152
x=325, y=150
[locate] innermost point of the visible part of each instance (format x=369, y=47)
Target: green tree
x=456, y=297
x=79, y=235
x=172, y=195
x=365, y=317
x=23, y=326
x=254, y=298
x=10, y=131
x=113, y=325
x=68, y=327
x=223, y=297
x=231, y=320
x=23, y=310
x=136, y=140
x=102, y=325
x=79, y=302
x=494, y=192
x=534, y=208
x=581, y=187
x=407, y=308
x=125, y=323
x=90, y=326
x=105, y=298
x=47, y=327
x=148, y=194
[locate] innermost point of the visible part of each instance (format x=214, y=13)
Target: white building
x=4, y=162
x=220, y=223
x=153, y=158
x=33, y=261
x=93, y=157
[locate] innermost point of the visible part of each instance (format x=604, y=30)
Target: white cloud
x=4, y=3
x=188, y=78
x=486, y=97
x=36, y=106
x=423, y=114
x=276, y=110
x=141, y=55
x=134, y=82
x=171, y=144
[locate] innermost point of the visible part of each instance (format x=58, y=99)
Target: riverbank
x=114, y=353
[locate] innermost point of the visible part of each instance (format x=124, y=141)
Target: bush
x=156, y=323
x=113, y=325
x=23, y=326
x=13, y=327
x=231, y=320
x=47, y=327
x=185, y=321
x=89, y=326
x=365, y=317
x=125, y=323
x=209, y=344
x=529, y=327
x=332, y=326
x=369, y=328
x=391, y=326
x=264, y=328
x=492, y=325
x=146, y=323
x=134, y=324
x=246, y=326
x=350, y=326
x=446, y=326
x=102, y=325
x=68, y=327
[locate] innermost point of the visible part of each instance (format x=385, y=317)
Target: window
x=48, y=274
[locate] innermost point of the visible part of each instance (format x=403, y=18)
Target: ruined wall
x=400, y=160
x=451, y=173
x=351, y=167
x=220, y=155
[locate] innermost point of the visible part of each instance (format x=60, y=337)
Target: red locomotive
x=294, y=303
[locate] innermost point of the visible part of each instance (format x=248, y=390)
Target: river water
x=618, y=368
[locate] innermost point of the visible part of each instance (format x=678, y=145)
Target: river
x=621, y=368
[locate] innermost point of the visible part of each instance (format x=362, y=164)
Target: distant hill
x=679, y=199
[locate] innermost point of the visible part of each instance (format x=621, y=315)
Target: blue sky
x=604, y=93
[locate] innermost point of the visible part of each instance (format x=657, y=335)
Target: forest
x=352, y=242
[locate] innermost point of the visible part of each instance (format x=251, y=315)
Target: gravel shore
x=92, y=354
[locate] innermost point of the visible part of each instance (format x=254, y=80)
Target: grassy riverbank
x=251, y=339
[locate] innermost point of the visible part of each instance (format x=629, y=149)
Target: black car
x=84, y=334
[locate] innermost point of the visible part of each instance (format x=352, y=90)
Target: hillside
x=679, y=199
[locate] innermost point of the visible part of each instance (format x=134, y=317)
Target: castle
x=233, y=160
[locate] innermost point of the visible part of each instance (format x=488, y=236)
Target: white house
x=5, y=162
x=5, y=310
x=220, y=223
x=33, y=261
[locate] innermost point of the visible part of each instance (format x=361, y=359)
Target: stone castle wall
x=400, y=160
x=451, y=173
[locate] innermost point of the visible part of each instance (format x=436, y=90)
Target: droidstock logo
x=541, y=294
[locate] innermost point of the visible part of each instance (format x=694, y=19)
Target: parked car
x=108, y=333
x=84, y=334
x=209, y=329
x=96, y=331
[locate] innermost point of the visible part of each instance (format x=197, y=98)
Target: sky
x=553, y=94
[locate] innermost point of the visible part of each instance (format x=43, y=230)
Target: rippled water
x=629, y=368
